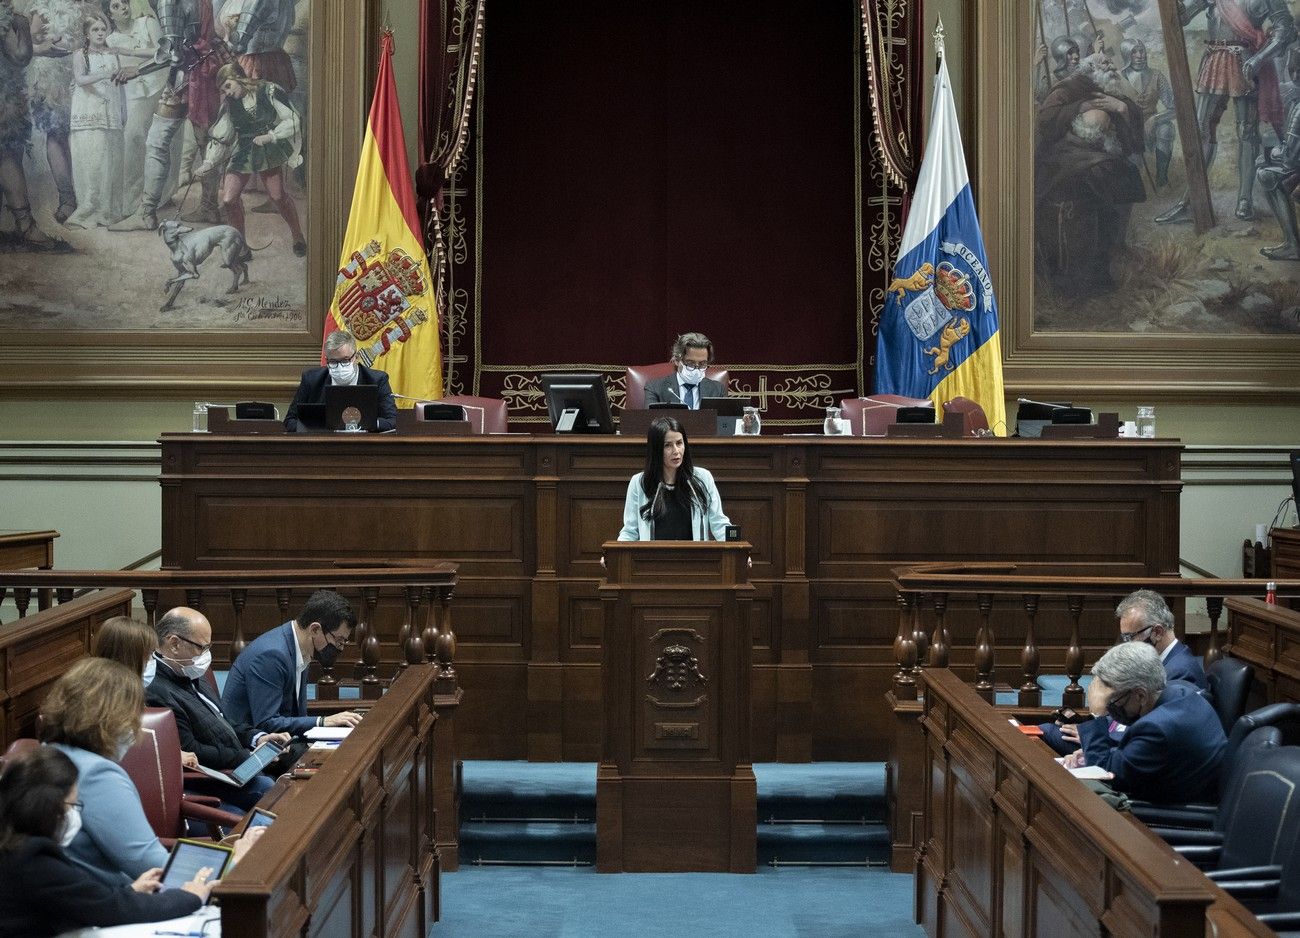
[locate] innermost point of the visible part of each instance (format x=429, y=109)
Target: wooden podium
x=675, y=787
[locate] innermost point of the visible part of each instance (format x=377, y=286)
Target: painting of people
x=152, y=165
x=1116, y=246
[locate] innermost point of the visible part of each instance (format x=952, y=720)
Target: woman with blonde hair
x=92, y=715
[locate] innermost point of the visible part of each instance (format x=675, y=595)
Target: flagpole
x=938, y=40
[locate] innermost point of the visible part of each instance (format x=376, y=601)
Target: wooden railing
x=351, y=853
x=1013, y=845
x=1012, y=605
x=418, y=596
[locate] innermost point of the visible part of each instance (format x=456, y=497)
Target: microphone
x=1025, y=400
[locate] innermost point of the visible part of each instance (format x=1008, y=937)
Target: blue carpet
x=1053, y=686
x=502, y=902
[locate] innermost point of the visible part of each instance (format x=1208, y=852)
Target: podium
x=675, y=786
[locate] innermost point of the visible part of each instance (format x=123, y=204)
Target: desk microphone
x=1025, y=400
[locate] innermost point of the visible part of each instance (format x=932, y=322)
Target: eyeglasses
x=190, y=641
x=78, y=804
x=1133, y=636
x=336, y=641
x=340, y=361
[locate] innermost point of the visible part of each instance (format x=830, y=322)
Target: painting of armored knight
x=1131, y=236
x=151, y=164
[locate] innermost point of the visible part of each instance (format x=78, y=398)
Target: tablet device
x=311, y=418
x=190, y=856
x=260, y=817
x=243, y=773
x=727, y=406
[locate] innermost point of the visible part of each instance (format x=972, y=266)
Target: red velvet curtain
x=637, y=170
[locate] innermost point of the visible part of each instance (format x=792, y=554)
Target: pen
x=183, y=934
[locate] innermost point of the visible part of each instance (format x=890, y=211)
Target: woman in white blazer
x=672, y=499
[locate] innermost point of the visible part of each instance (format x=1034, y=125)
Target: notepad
x=328, y=732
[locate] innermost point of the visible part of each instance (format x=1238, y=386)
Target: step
x=527, y=842
x=823, y=843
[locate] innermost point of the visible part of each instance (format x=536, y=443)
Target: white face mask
x=150, y=668
x=71, y=825
x=691, y=375
x=344, y=373
x=124, y=745
x=198, y=667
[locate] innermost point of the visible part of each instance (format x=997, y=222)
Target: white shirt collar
x=1168, y=648
x=297, y=659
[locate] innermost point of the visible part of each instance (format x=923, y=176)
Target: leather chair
x=1229, y=681
x=638, y=376
x=485, y=414
x=154, y=765
x=1228, y=842
x=878, y=411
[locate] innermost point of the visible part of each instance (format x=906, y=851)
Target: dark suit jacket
x=43, y=892
x=1181, y=665
x=665, y=390
x=311, y=390
x=1171, y=755
x=260, y=686
x=203, y=731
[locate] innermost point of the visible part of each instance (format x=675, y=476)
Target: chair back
x=1228, y=684
x=485, y=414
x=1283, y=716
x=638, y=376
x=1265, y=821
x=877, y=412
x=154, y=765
x=17, y=750
x=1234, y=775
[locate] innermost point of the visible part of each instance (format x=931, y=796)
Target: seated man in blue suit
x=1172, y=746
x=692, y=353
x=342, y=368
x=267, y=685
x=1144, y=616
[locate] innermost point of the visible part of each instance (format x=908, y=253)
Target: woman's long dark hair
x=686, y=488
x=33, y=789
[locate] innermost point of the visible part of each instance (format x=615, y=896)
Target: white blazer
x=636, y=527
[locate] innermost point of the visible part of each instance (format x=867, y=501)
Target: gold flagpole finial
x=938, y=36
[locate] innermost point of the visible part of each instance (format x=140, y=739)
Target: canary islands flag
x=384, y=294
x=939, y=328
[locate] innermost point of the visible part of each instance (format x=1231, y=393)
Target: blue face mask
x=150, y=668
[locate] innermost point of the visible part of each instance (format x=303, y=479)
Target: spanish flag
x=384, y=294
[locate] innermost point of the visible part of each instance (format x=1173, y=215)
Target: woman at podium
x=672, y=500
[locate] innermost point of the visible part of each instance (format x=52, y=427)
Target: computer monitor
x=578, y=403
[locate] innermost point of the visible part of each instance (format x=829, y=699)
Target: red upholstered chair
x=638, y=376
x=154, y=764
x=878, y=411
x=485, y=414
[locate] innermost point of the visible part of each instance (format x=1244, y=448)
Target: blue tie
x=691, y=402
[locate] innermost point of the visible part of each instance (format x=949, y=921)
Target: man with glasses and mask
x=1172, y=746
x=267, y=684
x=1145, y=617
x=182, y=660
x=342, y=368
x=691, y=354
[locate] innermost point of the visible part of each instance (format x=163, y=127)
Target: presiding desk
x=524, y=518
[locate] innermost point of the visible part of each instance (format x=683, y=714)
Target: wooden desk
x=1014, y=845
x=524, y=518
x=351, y=853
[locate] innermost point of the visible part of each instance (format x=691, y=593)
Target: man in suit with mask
x=183, y=657
x=1172, y=747
x=342, y=368
x=267, y=684
x=691, y=354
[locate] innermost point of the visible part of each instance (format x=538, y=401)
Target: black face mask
x=1115, y=710
x=327, y=655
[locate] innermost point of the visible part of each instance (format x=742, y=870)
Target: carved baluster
x=414, y=646
x=238, y=599
x=64, y=594
x=905, y=649
x=282, y=597
x=403, y=636
x=44, y=597
x=1073, y=694
x=22, y=599
x=984, y=657
x=370, y=686
x=4, y=591
x=430, y=632
x=920, y=637
x=150, y=600
x=1214, y=606
x=194, y=599
x=939, y=645
x=1031, y=695
x=446, y=638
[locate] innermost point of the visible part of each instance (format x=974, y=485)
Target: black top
x=203, y=728
x=675, y=523
x=43, y=893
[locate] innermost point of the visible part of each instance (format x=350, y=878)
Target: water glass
x=1146, y=423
